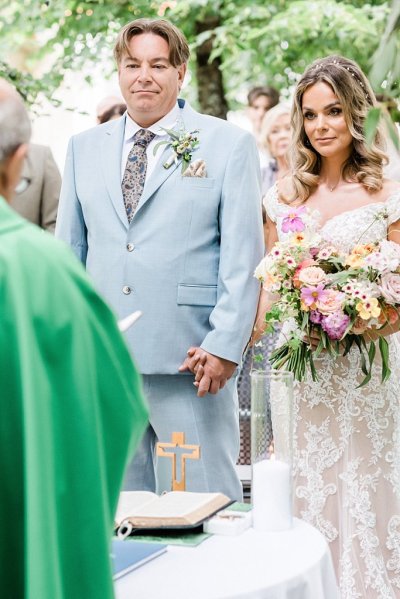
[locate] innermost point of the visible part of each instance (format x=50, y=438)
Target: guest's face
x=324, y=122
x=257, y=110
x=279, y=136
x=149, y=83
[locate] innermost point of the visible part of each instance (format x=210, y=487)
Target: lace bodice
x=364, y=224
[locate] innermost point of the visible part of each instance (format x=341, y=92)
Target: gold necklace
x=334, y=186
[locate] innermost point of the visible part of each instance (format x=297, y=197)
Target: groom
x=180, y=244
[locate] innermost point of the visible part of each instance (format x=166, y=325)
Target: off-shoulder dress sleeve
x=393, y=207
x=271, y=203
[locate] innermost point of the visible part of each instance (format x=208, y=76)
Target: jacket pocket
x=197, y=295
x=197, y=182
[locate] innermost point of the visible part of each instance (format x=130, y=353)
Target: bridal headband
x=336, y=63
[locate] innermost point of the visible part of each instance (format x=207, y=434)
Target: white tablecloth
x=295, y=564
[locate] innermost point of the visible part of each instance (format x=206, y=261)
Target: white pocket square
x=197, y=168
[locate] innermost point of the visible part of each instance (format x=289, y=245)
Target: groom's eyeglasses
x=23, y=184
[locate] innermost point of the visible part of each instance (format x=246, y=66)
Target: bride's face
x=324, y=122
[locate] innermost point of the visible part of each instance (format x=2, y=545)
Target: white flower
x=390, y=287
x=386, y=258
x=292, y=329
x=276, y=253
x=290, y=261
x=365, y=289
x=266, y=273
x=390, y=251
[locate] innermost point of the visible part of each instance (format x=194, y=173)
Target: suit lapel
x=111, y=152
x=161, y=174
x=157, y=177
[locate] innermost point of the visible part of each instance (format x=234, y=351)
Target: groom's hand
x=211, y=371
x=194, y=358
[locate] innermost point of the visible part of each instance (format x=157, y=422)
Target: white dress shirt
x=169, y=121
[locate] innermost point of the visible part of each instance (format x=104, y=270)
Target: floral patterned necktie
x=135, y=171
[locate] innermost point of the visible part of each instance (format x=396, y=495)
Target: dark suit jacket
x=39, y=202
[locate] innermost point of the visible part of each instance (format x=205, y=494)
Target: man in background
x=38, y=191
x=71, y=406
x=105, y=105
x=260, y=99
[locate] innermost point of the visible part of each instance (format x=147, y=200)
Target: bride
x=347, y=439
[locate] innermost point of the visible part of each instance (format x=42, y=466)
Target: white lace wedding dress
x=347, y=441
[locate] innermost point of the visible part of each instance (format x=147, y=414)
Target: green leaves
x=384, y=349
x=371, y=124
x=257, y=42
x=386, y=60
x=297, y=358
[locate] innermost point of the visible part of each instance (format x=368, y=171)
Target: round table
x=294, y=564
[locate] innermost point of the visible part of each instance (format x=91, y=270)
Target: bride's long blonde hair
x=356, y=97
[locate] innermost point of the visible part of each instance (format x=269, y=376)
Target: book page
x=130, y=502
x=176, y=504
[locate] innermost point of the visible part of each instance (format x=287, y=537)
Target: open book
x=177, y=509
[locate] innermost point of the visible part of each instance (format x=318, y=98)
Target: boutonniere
x=182, y=144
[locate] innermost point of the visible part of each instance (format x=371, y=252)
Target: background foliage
x=235, y=44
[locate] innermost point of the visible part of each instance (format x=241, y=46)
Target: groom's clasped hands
x=211, y=372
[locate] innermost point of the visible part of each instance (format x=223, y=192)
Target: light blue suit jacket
x=196, y=240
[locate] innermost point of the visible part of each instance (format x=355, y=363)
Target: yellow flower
x=269, y=280
x=368, y=308
x=306, y=308
x=361, y=250
x=298, y=238
x=354, y=261
x=358, y=253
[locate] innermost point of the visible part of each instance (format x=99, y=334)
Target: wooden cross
x=178, y=447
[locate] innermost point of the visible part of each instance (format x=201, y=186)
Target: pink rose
x=390, y=287
x=332, y=302
x=304, y=264
x=312, y=275
x=388, y=315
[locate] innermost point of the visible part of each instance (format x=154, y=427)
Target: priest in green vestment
x=71, y=405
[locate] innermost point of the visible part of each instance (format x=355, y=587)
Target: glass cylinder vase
x=272, y=449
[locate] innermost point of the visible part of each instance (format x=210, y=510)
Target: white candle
x=271, y=495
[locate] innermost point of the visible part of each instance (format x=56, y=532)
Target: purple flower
x=311, y=295
x=335, y=324
x=316, y=317
x=292, y=221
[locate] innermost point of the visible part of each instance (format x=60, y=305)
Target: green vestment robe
x=71, y=414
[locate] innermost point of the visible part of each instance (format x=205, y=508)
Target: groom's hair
x=177, y=43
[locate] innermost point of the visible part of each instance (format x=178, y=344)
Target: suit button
x=126, y=290
x=130, y=247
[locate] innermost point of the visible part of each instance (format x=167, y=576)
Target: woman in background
x=275, y=135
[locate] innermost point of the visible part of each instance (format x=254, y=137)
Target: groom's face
x=149, y=82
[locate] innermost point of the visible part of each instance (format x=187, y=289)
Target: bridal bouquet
x=339, y=295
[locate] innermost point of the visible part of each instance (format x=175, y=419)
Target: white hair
x=15, y=128
x=269, y=120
